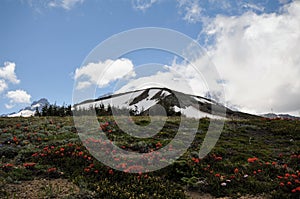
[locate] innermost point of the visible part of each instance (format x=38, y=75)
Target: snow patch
x=23, y=113
x=192, y=112
x=165, y=93
x=202, y=100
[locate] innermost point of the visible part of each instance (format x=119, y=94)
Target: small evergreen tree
x=45, y=110
x=37, y=112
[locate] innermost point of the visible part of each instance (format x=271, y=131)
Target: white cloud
x=191, y=10
x=222, y=4
x=193, y=78
x=102, y=73
x=171, y=79
x=283, y=1
x=7, y=75
x=65, y=4
x=7, y=72
x=9, y=106
x=3, y=85
x=143, y=4
x=258, y=57
x=83, y=85
x=17, y=97
x=253, y=7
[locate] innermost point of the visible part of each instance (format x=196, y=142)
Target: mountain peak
x=174, y=102
x=41, y=101
x=30, y=110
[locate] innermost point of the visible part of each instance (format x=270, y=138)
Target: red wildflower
x=87, y=170
x=218, y=158
x=122, y=165
x=158, y=145
x=294, y=176
x=34, y=155
x=254, y=172
x=296, y=189
x=289, y=183
x=91, y=165
x=50, y=170
x=196, y=160
x=29, y=164
x=134, y=168
x=15, y=139
x=281, y=184
x=236, y=170
x=111, y=172
x=251, y=160
x=8, y=165
x=294, y=156
x=218, y=175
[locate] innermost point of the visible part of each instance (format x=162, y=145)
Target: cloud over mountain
x=258, y=57
x=8, y=75
x=102, y=73
x=17, y=97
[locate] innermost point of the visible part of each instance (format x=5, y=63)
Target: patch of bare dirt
x=42, y=188
x=196, y=195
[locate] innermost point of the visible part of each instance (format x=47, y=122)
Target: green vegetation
x=54, y=110
x=255, y=157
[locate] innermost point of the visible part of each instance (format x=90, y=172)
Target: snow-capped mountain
x=30, y=110
x=280, y=116
x=141, y=101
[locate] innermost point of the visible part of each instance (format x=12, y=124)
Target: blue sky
x=42, y=43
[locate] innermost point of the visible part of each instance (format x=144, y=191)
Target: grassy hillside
x=252, y=157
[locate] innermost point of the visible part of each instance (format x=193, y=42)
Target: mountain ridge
x=143, y=100
x=29, y=110
x=280, y=116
